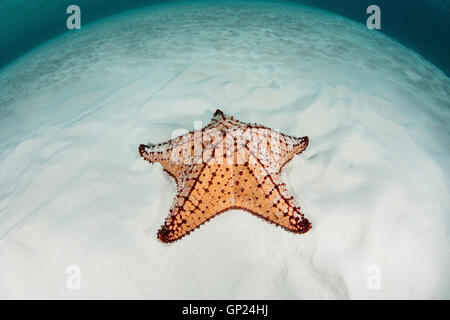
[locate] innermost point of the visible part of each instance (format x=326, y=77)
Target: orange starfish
x=228, y=165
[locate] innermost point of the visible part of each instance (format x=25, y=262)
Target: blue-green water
x=422, y=25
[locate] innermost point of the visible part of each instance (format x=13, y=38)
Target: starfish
x=226, y=165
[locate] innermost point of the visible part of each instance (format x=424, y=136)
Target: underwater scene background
x=374, y=181
x=422, y=25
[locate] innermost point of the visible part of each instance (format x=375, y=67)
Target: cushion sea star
x=226, y=165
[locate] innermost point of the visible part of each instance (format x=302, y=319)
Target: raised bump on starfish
x=228, y=165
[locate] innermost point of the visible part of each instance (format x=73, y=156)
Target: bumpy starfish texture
x=227, y=165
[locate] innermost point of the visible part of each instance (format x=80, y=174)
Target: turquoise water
x=421, y=25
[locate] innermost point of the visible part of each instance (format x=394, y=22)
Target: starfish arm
x=267, y=197
x=177, y=155
x=152, y=154
x=289, y=147
x=208, y=194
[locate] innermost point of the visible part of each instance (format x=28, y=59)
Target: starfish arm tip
x=152, y=156
x=304, y=226
x=303, y=143
x=142, y=151
x=218, y=112
x=306, y=139
x=164, y=235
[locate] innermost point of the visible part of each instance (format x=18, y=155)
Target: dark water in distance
x=422, y=25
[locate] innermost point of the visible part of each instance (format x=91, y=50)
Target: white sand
x=374, y=180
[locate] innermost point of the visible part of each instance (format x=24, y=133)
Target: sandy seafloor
x=374, y=180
